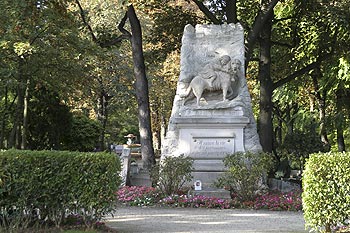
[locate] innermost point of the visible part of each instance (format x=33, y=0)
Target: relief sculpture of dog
x=223, y=81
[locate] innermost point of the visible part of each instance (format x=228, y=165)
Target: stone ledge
x=218, y=193
x=236, y=121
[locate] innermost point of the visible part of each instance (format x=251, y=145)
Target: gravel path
x=185, y=220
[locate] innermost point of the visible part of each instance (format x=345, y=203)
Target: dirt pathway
x=185, y=220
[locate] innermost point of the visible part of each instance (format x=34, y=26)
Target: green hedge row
x=48, y=186
x=326, y=190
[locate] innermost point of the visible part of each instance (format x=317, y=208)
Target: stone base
x=218, y=193
x=283, y=186
x=142, y=178
x=208, y=178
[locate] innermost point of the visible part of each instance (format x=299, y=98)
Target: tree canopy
x=64, y=59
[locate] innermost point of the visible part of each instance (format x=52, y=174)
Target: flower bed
x=196, y=202
x=138, y=195
x=279, y=201
x=146, y=196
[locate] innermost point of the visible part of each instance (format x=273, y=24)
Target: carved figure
x=211, y=70
x=236, y=66
x=214, y=77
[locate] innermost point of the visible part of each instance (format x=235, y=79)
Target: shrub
x=245, y=174
x=326, y=195
x=50, y=119
x=83, y=135
x=300, y=144
x=46, y=186
x=172, y=174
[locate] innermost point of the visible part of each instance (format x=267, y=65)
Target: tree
x=162, y=55
x=53, y=120
x=39, y=47
x=141, y=86
x=141, y=83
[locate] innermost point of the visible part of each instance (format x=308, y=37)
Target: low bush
x=83, y=135
x=326, y=190
x=246, y=173
x=47, y=186
x=172, y=173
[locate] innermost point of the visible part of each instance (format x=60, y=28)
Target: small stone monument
x=212, y=114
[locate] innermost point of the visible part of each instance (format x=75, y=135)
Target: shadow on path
x=184, y=220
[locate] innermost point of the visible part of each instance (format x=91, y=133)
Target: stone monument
x=212, y=114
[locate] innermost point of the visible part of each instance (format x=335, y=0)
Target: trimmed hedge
x=48, y=186
x=326, y=190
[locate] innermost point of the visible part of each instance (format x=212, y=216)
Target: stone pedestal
x=208, y=140
x=209, y=129
x=125, y=159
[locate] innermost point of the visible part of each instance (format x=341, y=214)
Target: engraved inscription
x=224, y=145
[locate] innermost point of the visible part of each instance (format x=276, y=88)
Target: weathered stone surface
x=125, y=166
x=283, y=186
x=209, y=128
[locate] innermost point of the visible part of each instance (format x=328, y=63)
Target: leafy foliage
x=246, y=173
x=46, y=43
x=47, y=186
x=50, y=120
x=300, y=144
x=41, y=47
x=326, y=185
x=84, y=134
x=172, y=173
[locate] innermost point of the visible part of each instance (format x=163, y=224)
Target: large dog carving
x=223, y=82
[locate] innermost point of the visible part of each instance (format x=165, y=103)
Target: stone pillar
x=125, y=159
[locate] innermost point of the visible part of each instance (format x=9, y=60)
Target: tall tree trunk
x=321, y=106
x=340, y=120
x=156, y=119
x=231, y=11
x=102, y=115
x=278, y=129
x=16, y=132
x=262, y=20
x=289, y=120
x=141, y=86
x=340, y=138
x=266, y=88
x=25, y=116
x=4, y=119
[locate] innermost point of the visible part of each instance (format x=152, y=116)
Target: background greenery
x=62, y=89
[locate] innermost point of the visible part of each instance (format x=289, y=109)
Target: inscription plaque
x=219, y=145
